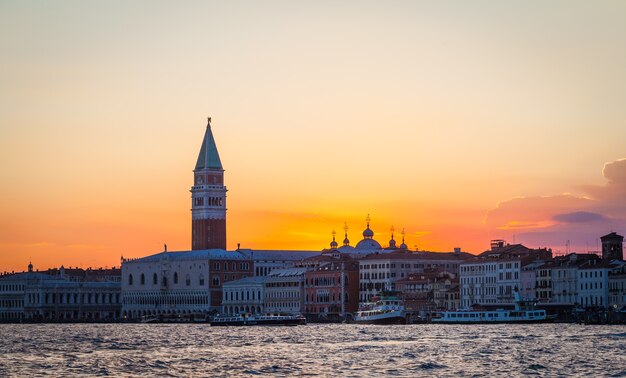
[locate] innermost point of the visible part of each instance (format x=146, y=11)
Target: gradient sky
x=458, y=121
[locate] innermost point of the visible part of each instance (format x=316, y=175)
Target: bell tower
x=612, y=246
x=208, y=197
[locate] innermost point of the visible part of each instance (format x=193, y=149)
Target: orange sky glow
x=457, y=122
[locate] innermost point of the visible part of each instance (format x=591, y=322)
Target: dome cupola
x=392, y=242
x=368, y=233
x=333, y=244
x=403, y=246
x=346, y=241
x=368, y=243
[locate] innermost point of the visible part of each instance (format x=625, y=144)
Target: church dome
x=346, y=249
x=368, y=244
x=346, y=241
x=403, y=246
x=333, y=244
x=368, y=233
x=392, y=243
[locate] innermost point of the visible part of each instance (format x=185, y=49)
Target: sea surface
x=314, y=350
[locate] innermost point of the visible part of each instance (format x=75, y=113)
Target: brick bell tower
x=208, y=197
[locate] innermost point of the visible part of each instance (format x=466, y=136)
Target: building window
x=187, y=280
x=175, y=277
x=216, y=281
x=130, y=282
x=155, y=279
x=143, y=279
x=201, y=280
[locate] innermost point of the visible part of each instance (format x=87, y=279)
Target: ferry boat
x=258, y=319
x=524, y=312
x=386, y=309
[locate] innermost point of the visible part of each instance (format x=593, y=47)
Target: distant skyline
x=459, y=122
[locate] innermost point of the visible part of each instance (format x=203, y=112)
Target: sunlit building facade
x=54, y=295
x=179, y=282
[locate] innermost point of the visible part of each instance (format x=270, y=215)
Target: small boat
x=174, y=318
x=524, y=312
x=386, y=309
x=258, y=319
x=149, y=319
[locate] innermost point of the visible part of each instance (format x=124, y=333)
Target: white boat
x=388, y=309
x=524, y=312
x=257, y=319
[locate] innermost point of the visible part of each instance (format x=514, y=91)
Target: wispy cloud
x=579, y=217
x=553, y=220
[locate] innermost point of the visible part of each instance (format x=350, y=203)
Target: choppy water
x=324, y=350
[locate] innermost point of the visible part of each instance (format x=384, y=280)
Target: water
x=318, y=350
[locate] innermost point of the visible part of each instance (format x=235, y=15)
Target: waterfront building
x=284, y=291
x=51, y=300
x=379, y=271
x=491, y=278
x=529, y=280
x=490, y=283
x=478, y=282
x=179, y=282
x=612, y=246
x=617, y=287
x=59, y=295
x=442, y=284
x=564, y=273
x=12, y=291
x=267, y=260
x=593, y=282
x=244, y=296
x=428, y=291
x=453, y=298
x=543, y=284
x=331, y=287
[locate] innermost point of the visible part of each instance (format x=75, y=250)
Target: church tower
x=612, y=246
x=208, y=197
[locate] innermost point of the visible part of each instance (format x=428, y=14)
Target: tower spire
x=208, y=158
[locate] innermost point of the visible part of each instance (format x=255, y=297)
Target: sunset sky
x=458, y=121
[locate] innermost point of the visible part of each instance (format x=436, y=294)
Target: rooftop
x=281, y=255
x=287, y=272
x=205, y=254
x=246, y=281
